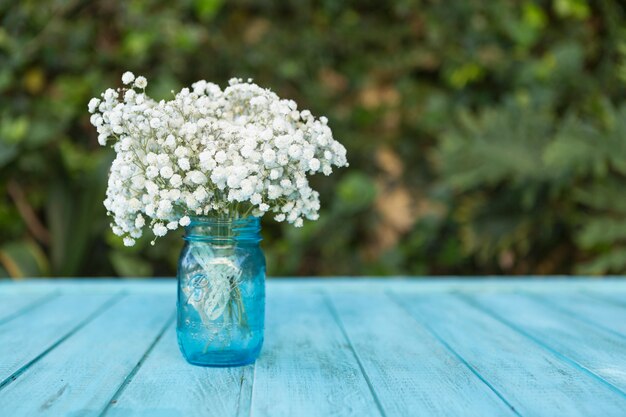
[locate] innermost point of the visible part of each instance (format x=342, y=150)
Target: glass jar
x=221, y=292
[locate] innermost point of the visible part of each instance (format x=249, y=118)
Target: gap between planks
x=45, y=298
x=136, y=368
x=573, y=313
x=105, y=306
x=449, y=348
x=540, y=343
x=335, y=315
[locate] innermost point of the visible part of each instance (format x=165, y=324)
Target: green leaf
x=602, y=230
x=127, y=265
x=13, y=130
x=613, y=261
x=7, y=153
x=71, y=212
x=356, y=191
x=494, y=147
x=577, y=9
x=207, y=9
x=24, y=259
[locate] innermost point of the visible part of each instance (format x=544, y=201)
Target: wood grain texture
x=334, y=347
x=88, y=286
x=593, y=349
x=536, y=383
x=595, y=311
x=307, y=368
x=167, y=386
x=28, y=336
x=412, y=372
x=614, y=296
x=80, y=376
x=12, y=306
x=615, y=286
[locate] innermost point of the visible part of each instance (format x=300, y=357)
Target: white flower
x=155, y=123
x=130, y=95
x=128, y=77
x=197, y=177
x=276, y=173
x=184, y=164
x=166, y=172
x=308, y=153
x=162, y=159
x=269, y=156
x=159, y=229
x=152, y=171
x=151, y=188
x=256, y=199
x=181, y=152
x=206, y=151
x=134, y=204
x=170, y=141
x=176, y=180
x=129, y=241
x=165, y=207
x=295, y=151
x=220, y=157
x=200, y=194
x=93, y=105
x=141, y=82
x=273, y=192
x=314, y=164
x=140, y=221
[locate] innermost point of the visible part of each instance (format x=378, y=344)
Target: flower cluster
x=225, y=153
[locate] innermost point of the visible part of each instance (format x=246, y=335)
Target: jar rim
x=212, y=229
x=223, y=220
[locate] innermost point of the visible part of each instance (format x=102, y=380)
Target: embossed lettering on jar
x=221, y=292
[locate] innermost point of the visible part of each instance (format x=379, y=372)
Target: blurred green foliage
x=484, y=136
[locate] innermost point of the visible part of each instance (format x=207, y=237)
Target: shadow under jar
x=221, y=292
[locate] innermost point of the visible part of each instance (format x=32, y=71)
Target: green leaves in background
x=23, y=259
x=356, y=191
x=483, y=137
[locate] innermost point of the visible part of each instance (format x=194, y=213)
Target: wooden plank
x=593, y=349
x=89, y=286
x=80, y=376
x=13, y=305
x=412, y=373
x=532, y=379
x=447, y=284
x=166, y=385
x=347, y=284
x=595, y=311
x=306, y=367
x=613, y=296
x=28, y=336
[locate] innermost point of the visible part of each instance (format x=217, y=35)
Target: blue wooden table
x=339, y=347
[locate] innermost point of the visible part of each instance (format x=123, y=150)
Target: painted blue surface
x=340, y=347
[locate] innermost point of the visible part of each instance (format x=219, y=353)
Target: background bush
x=484, y=136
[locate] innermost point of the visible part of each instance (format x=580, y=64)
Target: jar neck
x=223, y=231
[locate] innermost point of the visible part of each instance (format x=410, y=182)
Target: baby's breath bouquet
x=225, y=153
x=235, y=153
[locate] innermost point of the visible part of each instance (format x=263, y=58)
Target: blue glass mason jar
x=221, y=292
